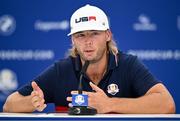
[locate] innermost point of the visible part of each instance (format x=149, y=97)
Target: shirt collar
x=78, y=63
x=112, y=61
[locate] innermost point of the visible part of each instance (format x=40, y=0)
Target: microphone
x=83, y=71
x=80, y=101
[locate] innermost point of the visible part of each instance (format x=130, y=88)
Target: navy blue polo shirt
x=126, y=77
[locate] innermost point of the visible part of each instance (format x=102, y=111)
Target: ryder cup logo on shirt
x=112, y=89
x=7, y=25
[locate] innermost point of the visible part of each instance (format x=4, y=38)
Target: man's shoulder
x=126, y=58
x=64, y=62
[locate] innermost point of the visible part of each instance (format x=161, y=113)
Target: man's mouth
x=89, y=51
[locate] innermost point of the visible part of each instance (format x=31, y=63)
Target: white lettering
x=156, y=54
x=26, y=54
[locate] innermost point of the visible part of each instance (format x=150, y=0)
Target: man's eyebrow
x=82, y=32
x=79, y=32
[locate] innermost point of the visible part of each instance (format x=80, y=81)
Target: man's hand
x=98, y=99
x=37, y=97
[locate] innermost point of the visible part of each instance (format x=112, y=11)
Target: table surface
x=65, y=115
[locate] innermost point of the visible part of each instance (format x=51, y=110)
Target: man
x=114, y=81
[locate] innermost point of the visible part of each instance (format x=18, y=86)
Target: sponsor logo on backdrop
x=178, y=22
x=49, y=26
x=156, y=54
x=26, y=55
x=8, y=83
x=144, y=24
x=7, y=25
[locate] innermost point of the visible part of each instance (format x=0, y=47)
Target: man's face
x=91, y=45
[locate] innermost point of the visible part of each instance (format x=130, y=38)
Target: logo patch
x=112, y=89
x=8, y=83
x=79, y=100
x=7, y=25
x=144, y=24
x=84, y=19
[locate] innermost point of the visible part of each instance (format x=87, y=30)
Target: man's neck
x=97, y=70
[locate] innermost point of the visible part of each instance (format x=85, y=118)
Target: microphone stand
x=82, y=110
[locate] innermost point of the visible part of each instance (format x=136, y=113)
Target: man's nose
x=89, y=40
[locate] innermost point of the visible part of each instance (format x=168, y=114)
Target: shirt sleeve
x=141, y=78
x=46, y=81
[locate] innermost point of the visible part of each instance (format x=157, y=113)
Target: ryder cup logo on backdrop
x=8, y=82
x=112, y=89
x=144, y=24
x=7, y=25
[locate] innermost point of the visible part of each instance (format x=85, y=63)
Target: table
x=98, y=117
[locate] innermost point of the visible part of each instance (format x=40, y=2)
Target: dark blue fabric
x=57, y=81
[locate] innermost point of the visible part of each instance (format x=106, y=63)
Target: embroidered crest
x=112, y=89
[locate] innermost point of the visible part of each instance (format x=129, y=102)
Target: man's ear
x=72, y=40
x=109, y=35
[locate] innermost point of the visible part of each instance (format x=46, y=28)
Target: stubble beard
x=98, y=55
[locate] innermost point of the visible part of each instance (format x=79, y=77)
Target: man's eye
x=80, y=35
x=95, y=33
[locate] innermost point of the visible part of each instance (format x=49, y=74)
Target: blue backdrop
x=33, y=34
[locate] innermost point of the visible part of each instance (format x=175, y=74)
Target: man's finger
x=36, y=104
x=36, y=100
x=70, y=105
x=41, y=108
x=33, y=93
x=69, y=98
x=39, y=104
x=94, y=87
x=76, y=92
x=35, y=86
